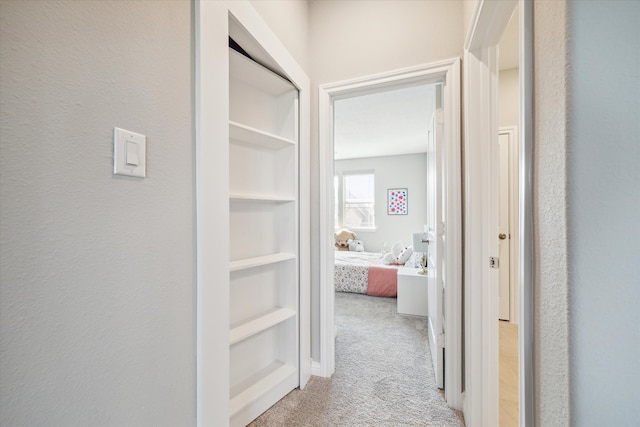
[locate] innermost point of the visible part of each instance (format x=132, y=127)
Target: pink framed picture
x=397, y=201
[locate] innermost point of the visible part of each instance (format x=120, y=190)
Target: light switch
x=129, y=153
x=132, y=153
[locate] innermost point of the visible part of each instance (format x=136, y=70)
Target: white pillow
x=405, y=255
x=388, y=259
x=414, y=260
x=396, y=249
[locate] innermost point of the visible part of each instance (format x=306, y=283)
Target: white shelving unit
x=264, y=252
x=241, y=264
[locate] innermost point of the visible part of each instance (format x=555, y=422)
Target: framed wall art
x=397, y=201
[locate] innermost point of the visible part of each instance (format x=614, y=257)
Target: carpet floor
x=383, y=376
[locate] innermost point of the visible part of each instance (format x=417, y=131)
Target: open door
x=504, y=233
x=435, y=232
x=445, y=74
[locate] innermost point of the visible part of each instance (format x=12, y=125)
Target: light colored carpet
x=383, y=377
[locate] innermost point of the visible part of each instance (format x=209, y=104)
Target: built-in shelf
x=256, y=75
x=258, y=384
x=253, y=136
x=258, y=324
x=243, y=264
x=263, y=215
x=260, y=198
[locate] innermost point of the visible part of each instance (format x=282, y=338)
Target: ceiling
x=395, y=121
x=387, y=123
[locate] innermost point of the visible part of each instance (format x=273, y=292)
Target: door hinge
x=494, y=262
x=441, y=229
x=439, y=116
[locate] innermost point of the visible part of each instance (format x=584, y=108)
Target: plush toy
x=342, y=237
x=356, y=245
x=399, y=254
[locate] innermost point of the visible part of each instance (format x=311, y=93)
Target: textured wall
x=97, y=271
x=289, y=20
x=603, y=211
x=355, y=38
x=551, y=356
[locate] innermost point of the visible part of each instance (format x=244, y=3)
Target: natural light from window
x=356, y=201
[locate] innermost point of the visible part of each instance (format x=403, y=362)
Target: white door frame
x=212, y=30
x=489, y=20
x=447, y=72
x=514, y=240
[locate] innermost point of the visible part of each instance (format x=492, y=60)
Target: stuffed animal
x=356, y=245
x=342, y=237
x=398, y=255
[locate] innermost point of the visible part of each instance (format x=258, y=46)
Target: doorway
x=446, y=73
x=481, y=153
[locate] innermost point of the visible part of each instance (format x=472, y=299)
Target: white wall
x=603, y=211
x=468, y=7
x=509, y=101
x=355, y=38
x=587, y=203
x=97, y=301
x=551, y=306
x=406, y=171
x=289, y=20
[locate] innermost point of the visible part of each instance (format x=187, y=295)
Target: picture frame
x=397, y=201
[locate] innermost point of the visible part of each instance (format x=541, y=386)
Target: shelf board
x=260, y=198
x=259, y=384
x=256, y=75
x=245, y=263
x=261, y=323
x=257, y=137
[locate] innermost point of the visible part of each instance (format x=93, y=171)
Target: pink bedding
x=383, y=282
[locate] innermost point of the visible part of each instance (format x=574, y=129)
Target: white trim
x=212, y=191
x=212, y=268
x=327, y=208
x=447, y=72
x=316, y=369
x=514, y=239
x=481, y=93
x=525, y=336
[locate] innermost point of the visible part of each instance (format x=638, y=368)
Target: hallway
x=383, y=374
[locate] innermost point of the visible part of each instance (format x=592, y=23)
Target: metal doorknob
x=502, y=236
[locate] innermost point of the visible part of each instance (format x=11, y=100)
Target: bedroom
x=380, y=144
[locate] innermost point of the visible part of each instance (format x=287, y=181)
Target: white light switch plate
x=129, y=153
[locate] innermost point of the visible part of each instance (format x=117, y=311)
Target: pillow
x=388, y=259
x=404, y=255
x=414, y=260
x=396, y=249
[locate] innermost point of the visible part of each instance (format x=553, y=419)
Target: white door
x=504, y=235
x=435, y=259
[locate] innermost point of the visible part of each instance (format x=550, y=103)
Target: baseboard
x=316, y=368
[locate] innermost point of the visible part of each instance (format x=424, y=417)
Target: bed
x=365, y=273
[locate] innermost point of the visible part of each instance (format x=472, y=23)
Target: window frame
x=340, y=202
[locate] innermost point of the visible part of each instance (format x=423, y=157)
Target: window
x=355, y=200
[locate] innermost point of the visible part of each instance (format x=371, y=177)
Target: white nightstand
x=412, y=292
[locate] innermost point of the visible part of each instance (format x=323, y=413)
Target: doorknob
x=502, y=236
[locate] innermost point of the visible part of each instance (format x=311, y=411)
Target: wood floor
x=508, y=395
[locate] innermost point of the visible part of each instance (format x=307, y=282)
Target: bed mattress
x=352, y=271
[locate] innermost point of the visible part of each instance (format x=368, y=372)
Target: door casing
x=212, y=22
x=446, y=72
x=489, y=21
